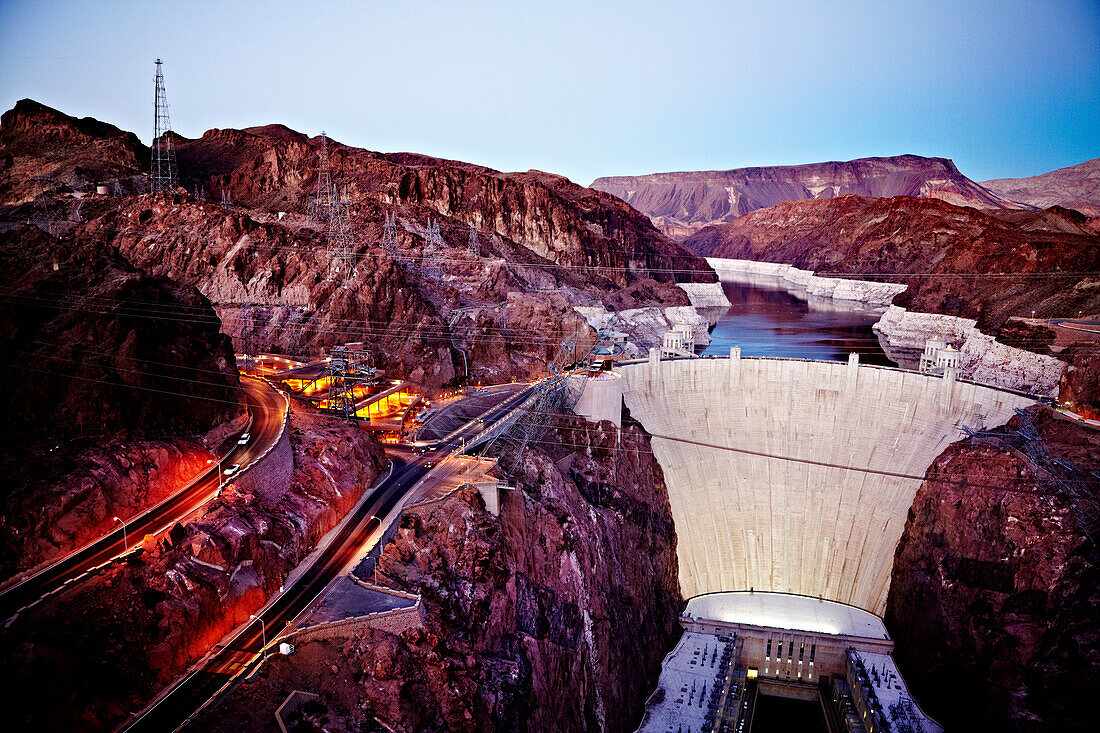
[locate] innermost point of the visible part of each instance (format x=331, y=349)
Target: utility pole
x=263, y=631
x=125, y=540
x=163, y=172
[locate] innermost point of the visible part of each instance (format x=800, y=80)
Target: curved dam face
x=824, y=517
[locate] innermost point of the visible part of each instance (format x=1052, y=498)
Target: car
x=243, y=440
x=232, y=469
x=421, y=449
x=429, y=464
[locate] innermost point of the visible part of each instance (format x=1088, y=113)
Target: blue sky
x=591, y=88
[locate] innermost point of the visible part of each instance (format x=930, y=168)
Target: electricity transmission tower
x=333, y=210
x=347, y=367
x=320, y=203
x=389, y=235
x=475, y=247
x=162, y=175
x=538, y=412
x=341, y=251
x=227, y=201
x=433, y=243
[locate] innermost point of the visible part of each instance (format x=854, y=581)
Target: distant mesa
x=1076, y=187
x=681, y=203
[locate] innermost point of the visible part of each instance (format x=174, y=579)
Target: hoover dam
x=795, y=476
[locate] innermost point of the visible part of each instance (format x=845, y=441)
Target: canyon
x=554, y=609
x=120, y=399
x=553, y=615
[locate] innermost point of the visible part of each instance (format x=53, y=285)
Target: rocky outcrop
x=143, y=621
x=1076, y=187
x=113, y=376
x=72, y=494
x=645, y=327
x=682, y=203
x=993, y=596
x=95, y=346
x=66, y=152
x=554, y=616
x=903, y=335
x=268, y=271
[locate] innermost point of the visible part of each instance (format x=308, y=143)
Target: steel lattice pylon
x=341, y=250
x=554, y=394
x=475, y=246
x=389, y=235
x=433, y=243
x=347, y=368
x=324, y=194
x=162, y=175
x=332, y=209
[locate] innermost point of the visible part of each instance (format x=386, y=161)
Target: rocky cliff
x=112, y=379
x=142, y=621
x=957, y=261
x=994, y=593
x=1076, y=187
x=682, y=203
x=553, y=616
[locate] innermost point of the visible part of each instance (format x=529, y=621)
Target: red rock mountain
x=73, y=154
x=546, y=244
x=934, y=247
x=1076, y=187
x=682, y=203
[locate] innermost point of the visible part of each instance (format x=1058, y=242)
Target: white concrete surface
x=796, y=476
x=980, y=358
x=784, y=611
x=601, y=398
x=861, y=291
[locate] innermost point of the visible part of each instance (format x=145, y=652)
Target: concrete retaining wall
x=393, y=622
x=747, y=519
x=271, y=474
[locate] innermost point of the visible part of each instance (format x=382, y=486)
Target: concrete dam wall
x=825, y=523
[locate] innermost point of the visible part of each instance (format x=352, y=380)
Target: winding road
x=268, y=409
x=174, y=707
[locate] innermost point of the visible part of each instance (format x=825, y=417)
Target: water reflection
x=768, y=317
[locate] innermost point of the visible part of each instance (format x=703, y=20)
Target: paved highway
x=268, y=408
x=190, y=692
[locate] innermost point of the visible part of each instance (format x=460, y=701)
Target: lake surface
x=769, y=318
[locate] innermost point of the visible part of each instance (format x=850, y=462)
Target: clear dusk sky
x=589, y=89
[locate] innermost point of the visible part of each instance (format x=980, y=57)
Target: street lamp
x=125, y=543
x=263, y=632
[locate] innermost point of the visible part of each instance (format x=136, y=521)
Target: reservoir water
x=769, y=317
